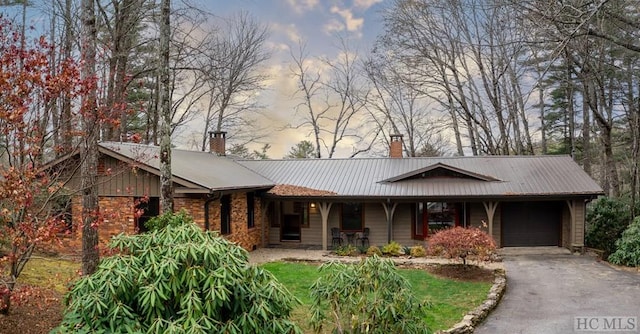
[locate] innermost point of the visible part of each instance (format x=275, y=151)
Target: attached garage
x=526, y=224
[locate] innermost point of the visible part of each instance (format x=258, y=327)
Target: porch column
x=490, y=208
x=389, y=210
x=325, y=208
x=573, y=225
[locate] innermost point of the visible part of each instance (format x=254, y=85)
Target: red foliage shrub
x=464, y=243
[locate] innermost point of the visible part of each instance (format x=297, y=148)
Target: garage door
x=531, y=223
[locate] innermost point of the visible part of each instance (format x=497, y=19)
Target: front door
x=290, y=227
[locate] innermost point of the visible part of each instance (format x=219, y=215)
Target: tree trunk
x=166, y=191
x=89, y=148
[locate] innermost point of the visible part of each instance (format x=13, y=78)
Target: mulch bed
x=39, y=312
x=470, y=273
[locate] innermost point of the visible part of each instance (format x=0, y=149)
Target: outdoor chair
x=336, y=237
x=364, y=237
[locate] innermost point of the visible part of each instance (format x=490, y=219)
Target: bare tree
x=466, y=56
x=232, y=73
x=393, y=100
x=332, y=99
x=309, y=89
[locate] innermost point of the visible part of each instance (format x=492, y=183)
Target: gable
x=440, y=171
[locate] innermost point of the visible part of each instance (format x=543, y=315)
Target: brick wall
x=118, y=217
x=248, y=238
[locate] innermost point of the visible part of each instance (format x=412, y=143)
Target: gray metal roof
x=383, y=177
x=202, y=169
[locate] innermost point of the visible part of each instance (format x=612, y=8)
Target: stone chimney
x=217, y=142
x=395, y=146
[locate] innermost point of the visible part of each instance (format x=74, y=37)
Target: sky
x=318, y=23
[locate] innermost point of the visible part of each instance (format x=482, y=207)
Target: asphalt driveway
x=546, y=292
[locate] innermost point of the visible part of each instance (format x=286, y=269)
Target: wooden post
x=389, y=210
x=490, y=208
x=325, y=208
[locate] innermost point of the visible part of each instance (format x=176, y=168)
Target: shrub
x=418, y=251
x=607, y=218
x=406, y=250
x=368, y=297
x=628, y=246
x=347, y=250
x=178, y=279
x=168, y=219
x=393, y=248
x=374, y=250
x=463, y=243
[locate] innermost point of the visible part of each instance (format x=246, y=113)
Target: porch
x=309, y=224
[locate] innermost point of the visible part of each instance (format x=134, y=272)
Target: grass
x=450, y=299
x=49, y=273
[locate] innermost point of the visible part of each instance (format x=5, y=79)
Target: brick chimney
x=217, y=142
x=395, y=146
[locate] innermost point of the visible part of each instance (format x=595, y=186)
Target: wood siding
x=116, y=179
x=478, y=218
x=578, y=223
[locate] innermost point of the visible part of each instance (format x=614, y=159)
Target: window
x=441, y=215
x=251, y=223
x=225, y=214
x=352, y=217
x=146, y=208
x=431, y=217
x=302, y=208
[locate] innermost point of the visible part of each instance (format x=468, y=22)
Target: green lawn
x=450, y=300
x=50, y=273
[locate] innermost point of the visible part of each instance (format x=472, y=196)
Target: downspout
x=212, y=197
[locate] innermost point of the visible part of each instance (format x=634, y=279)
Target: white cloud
x=351, y=23
x=289, y=30
x=301, y=6
x=333, y=26
x=365, y=4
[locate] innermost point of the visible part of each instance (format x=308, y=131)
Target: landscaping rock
x=477, y=315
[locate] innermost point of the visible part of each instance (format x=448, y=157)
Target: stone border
x=477, y=315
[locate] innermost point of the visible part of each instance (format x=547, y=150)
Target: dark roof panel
x=201, y=168
x=515, y=175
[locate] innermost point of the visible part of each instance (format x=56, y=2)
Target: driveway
x=546, y=292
